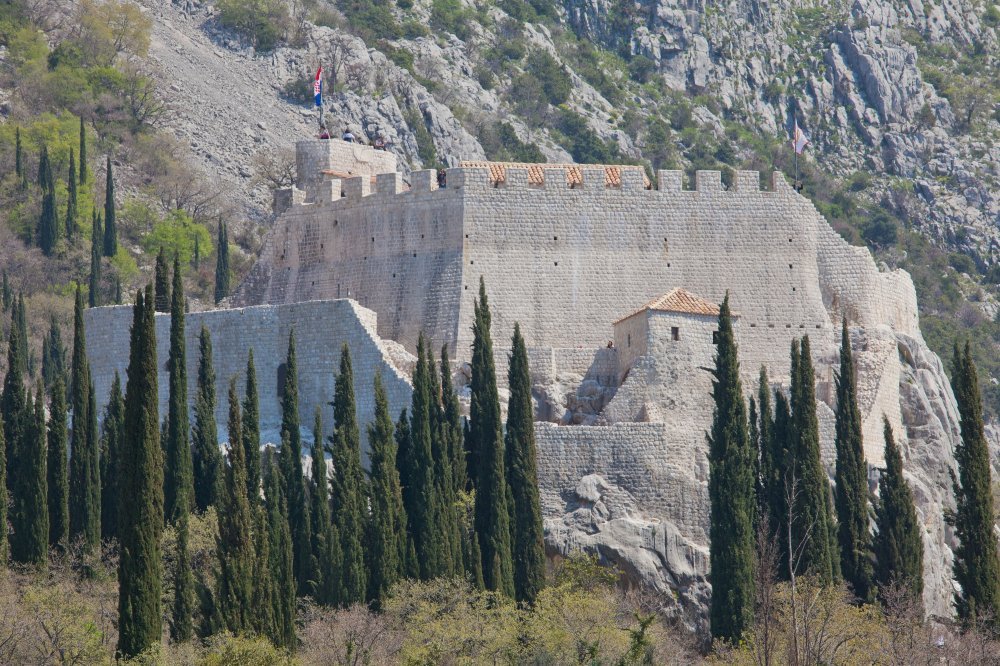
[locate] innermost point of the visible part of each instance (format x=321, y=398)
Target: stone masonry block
x=593, y=179
x=423, y=180
x=708, y=181
x=358, y=187
x=632, y=180
x=328, y=191
x=516, y=178
x=670, y=181
x=747, y=181
x=389, y=183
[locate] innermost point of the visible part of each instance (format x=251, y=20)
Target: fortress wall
x=397, y=253
x=320, y=330
x=641, y=458
x=313, y=157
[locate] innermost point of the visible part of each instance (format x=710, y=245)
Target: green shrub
x=527, y=95
x=552, y=76
x=425, y=143
x=641, y=68
x=370, y=19
x=400, y=56
x=584, y=144
x=176, y=235
x=263, y=22
x=299, y=89
x=452, y=16
x=501, y=143
x=880, y=229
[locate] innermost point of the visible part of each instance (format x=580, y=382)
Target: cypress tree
x=29, y=513
x=404, y=466
x=178, y=480
x=522, y=474
x=492, y=520
x=291, y=469
x=854, y=535
x=53, y=354
x=114, y=423
x=4, y=497
x=387, y=526
x=976, y=566
x=222, y=264
x=251, y=433
x=161, y=280
x=771, y=479
x=731, y=491
x=71, y=202
x=812, y=529
x=453, y=425
x=118, y=291
x=348, y=490
x=281, y=557
x=13, y=401
x=323, y=568
x=110, y=223
x=6, y=293
x=899, y=548
x=206, y=458
x=18, y=156
x=84, y=515
x=83, y=152
x=141, y=483
x=262, y=611
x=94, y=465
x=416, y=466
x=48, y=224
x=235, y=546
x=182, y=611
x=56, y=468
x=196, y=260
x=446, y=502
x=94, y=286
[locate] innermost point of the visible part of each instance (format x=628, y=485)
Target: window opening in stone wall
x=557, y=263
x=789, y=265
x=629, y=342
x=675, y=333
x=282, y=373
x=666, y=248
x=715, y=337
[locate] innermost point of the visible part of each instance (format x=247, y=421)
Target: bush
x=176, y=235
x=452, y=16
x=641, y=68
x=263, y=22
x=528, y=96
x=425, y=143
x=370, y=19
x=501, y=143
x=880, y=229
x=552, y=76
x=584, y=144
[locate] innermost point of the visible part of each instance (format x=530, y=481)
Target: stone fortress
x=615, y=284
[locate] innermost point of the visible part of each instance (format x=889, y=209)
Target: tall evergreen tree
x=899, y=548
x=94, y=466
x=731, y=491
x=976, y=566
x=84, y=515
x=251, y=433
x=387, y=525
x=57, y=467
x=111, y=446
x=405, y=467
x=280, y=549
x=526, y=511
x=222, y=274
x=94, y=286
x=29, y=513
x=492, y=510
x=161, y=282
x=18, y=156
x=453, y=425
x=48, y=222
x=771, y=476
x=4, y=496
x=83, y=152
x=110, y=220
x=294, y=479
x=262, y=615
x=206, y=458
x=854, y=533
x=235, y=546
x=141, y=485
x=446, y=502
x=182, y=611
x=416, y=466
x=348, y=485
x=71, y=202
x=813, y=533
x=54, y=356
x=13, y=401
x=324, y=588
x=178, y=479
x=6, y=293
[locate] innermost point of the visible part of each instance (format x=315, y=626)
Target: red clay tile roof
x=572, y=173
x=679, y=300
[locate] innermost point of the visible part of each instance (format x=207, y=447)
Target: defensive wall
x=321, y=329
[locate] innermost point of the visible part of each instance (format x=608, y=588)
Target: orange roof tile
x=679, y=300
x=572, y=172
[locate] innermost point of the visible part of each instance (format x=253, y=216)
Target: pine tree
x=222, y=264
x=29, y=513
x=235, y=546
x=854, y=535
x=416, y=466
x=110, y=223
x=141, y=484
x=56, y=467
x=161, y=281
x=71, y=202
x=492, y=510
x=94, y=286
x=114, y=424
x=522, y=475
x=281, y=558
x=899, y=548
x=83, y=152
x=48, y=223
x=812, y=529
x=84, y=516
x=206, y=458
x=251, y=433
x=178, y=479
x=731, y=491
x=324, y=588
x=976, y=565
x=182, y=611
x=387, y=526
x=348, y=490
x=291, y=469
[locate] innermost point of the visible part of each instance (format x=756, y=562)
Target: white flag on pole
x=799, y=139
